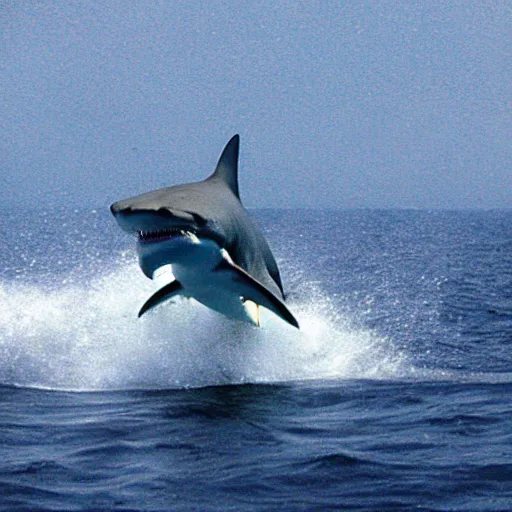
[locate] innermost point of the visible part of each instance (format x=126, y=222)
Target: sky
x=339, y=104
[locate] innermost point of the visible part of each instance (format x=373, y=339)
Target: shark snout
x=148, y=220
x=122, y=209
x=115, y=208
x=122, y=214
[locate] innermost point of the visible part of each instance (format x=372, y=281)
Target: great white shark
x=218, y=255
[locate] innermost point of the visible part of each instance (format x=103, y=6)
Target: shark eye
x=200, y=221
x=164, y=212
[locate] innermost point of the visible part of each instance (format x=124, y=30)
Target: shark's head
x=134, y=216
x=138, y=216
x=164, y=235
x=170, y=222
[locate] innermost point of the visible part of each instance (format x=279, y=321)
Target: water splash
x=85, y=337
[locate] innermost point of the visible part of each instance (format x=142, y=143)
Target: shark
x=217, y=253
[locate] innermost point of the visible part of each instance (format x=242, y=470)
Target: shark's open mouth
x=162, y=235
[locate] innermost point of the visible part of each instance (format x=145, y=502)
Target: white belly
x=194, y=264
x=216, y=290
x=207, y=273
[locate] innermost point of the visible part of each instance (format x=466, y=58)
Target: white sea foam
x=89, y=337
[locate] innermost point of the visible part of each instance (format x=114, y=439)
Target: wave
x=88, y=337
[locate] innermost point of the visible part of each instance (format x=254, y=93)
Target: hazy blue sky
x=338, y=104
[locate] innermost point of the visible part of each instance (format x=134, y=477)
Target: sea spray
x=88, y=337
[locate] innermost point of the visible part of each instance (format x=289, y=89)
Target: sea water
x=396, y=394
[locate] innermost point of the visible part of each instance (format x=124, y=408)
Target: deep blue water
x=395, y=395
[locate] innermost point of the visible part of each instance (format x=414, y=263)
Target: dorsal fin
x=227, y=167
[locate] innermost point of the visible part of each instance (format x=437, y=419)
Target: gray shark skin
x=218, y=255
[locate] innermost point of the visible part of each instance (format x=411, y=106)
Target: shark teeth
x=155, y=236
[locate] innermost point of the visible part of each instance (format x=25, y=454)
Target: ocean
x=396, y=394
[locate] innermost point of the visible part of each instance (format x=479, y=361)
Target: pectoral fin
x=167, y=292
x=253, y=291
